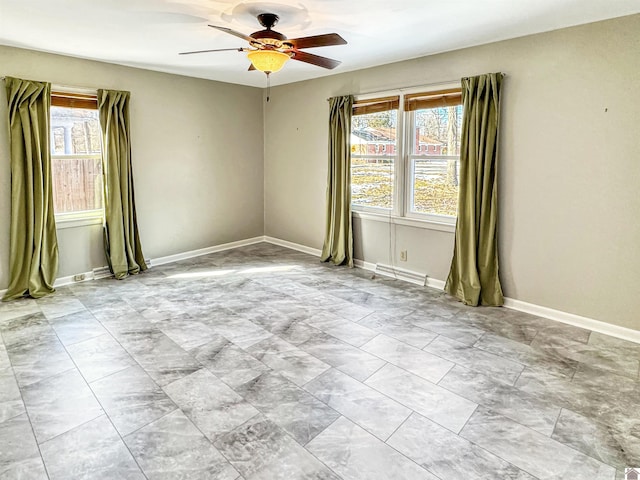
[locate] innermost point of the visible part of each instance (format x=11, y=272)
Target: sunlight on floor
x=219, y=273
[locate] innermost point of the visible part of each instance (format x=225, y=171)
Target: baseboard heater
x=102, y=272
x=401, y=274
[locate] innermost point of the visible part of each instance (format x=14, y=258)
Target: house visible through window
x=76, y=155
x=405, y=154
x=373, y=152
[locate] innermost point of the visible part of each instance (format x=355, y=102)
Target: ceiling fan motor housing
x=268, y=36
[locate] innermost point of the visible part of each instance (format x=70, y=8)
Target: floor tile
x=185, y=331
x=10, y=398
x=241, y=332
x=18, y=308
x=398, y=328
x=354, y=453
x=336, y=326
x=131, y=399
x=260, y=450
x=424, y=364
x=531, y=451
x=361, y=404
x=448, y=327
x=501, y=326
x=228, y=362
x=527, y=355
x=472, y=358
x=613, y=402
x=597, y=440
x=210, y=404
x=288, y=360
x=616, y=361
x=286, y=404
x=34, y=349
x=172, y=447
x=346, y=358
x=99, y=356
x=19, y=455
x=535, y=411
x=4, y=357
x=54, y=306
x=160, y=357
x=292, y=329
x=449, y=456
x=59, y=403
x=77, y=327
x=261, y=348
x=21, y=330
x=434, y=402
x=92, y=450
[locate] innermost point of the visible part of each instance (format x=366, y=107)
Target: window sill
x=405, y=221
x=74, y=221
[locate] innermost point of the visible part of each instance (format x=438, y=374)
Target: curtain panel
x=121, y=237
x=473, y=277
x=33, y=258
x=338, y=240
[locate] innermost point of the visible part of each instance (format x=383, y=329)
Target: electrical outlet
x=403, y=255
x=78, y=278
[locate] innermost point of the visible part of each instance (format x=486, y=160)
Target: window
x=373, y=127
x=76, y=156
x=417, y=175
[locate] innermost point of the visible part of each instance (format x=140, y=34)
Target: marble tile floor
x=263, y=363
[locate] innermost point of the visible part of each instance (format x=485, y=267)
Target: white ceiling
x=149, y=33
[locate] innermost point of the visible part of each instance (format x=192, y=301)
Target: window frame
x=85, y=99
x=401, y=212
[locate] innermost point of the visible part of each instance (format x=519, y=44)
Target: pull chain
x=268, y=85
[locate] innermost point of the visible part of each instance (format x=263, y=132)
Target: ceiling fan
x=269, y=50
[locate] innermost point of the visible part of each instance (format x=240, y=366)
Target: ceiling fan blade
x=216, y=50
x=251, y=67
x=326, y=40
x=236, y=34
x=323, y=62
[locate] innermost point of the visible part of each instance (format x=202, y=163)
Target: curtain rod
x=67, y=88
x=401, y=89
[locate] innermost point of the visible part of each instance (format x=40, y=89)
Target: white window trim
x=401, y=213
x=86, y=217
x=79, y=219
x=429, y=224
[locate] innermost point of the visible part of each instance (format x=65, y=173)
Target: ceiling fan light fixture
x=268, y=61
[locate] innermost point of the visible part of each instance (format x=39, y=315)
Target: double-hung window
x=405, y=155
x=76, y=158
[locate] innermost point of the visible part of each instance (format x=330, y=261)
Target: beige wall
x=197, y=158
x=569, y=171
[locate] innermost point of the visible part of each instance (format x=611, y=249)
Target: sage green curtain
x=338, y=240
x=473, y=277
x=33, y=258
x=121, y=237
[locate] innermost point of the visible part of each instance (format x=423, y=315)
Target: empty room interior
x=319, y=240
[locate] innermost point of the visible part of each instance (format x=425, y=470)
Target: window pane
x=373, y=154
x=75, y=161
x=435, y=162
x=77, y=184
x=74, y=131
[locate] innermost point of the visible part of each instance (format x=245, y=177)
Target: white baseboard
x=538, y=310
x=82, y=277
x=401, y=274
x=386, y=270
x=573, y=319
x=205, y=251
x=293, y=246
x=435, y=283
